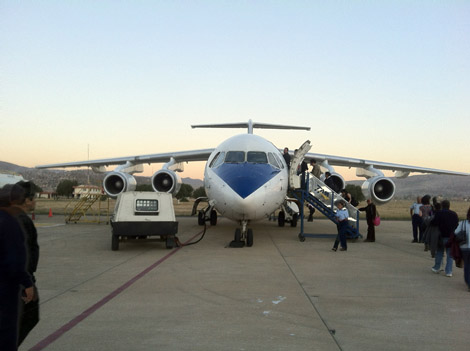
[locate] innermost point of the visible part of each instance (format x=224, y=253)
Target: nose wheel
x=242, y=237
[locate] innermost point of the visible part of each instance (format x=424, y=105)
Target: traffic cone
x=33, y=216
x=50, y=212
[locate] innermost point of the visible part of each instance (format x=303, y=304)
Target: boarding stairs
x=85, y=212
x=307, y=188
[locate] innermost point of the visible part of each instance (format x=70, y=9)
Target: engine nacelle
x=116, y=183
x=166, y=181
x=379, y=189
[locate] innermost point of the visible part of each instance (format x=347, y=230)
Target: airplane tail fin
x=250, y=125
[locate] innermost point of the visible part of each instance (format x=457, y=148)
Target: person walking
x=316, y=170
x=371, y=213
x=416, y=218
x=447, y=221
x=465, y=248
x=342, y=217
x=331, y=183
x=426, y=213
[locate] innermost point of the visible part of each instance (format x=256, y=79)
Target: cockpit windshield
x=259, y=157
x=235, y=157
x=256, y=157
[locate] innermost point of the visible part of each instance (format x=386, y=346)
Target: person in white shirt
x=342, y=216
x=416, y=219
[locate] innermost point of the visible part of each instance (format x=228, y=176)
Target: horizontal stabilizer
x=250, y=125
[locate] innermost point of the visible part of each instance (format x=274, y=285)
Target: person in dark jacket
x=331, y=183
x=13, y=276
x=286, y=157
x=371, y=213
x=447, y=221
x=29, y=313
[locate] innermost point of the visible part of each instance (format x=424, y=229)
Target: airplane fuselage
x=246, y=177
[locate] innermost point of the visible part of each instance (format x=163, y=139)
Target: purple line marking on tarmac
x=66, y=327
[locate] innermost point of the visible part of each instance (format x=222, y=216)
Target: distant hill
x=48, y=179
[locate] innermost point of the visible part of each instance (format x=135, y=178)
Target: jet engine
x=116, y=183
x=166, y=181
x=379, y=189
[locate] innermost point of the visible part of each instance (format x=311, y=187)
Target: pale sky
x=378, y=80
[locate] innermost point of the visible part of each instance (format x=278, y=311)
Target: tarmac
x=280, y=294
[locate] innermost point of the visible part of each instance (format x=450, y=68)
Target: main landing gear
x=207, y=214
x=242, y=236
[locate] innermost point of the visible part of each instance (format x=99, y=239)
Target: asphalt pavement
x=280, y=294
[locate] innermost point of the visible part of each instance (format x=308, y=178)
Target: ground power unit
x=139, y=215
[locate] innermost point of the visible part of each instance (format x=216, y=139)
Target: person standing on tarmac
x=14, y=279
x=416, y=219
x=29, y=313
x=447, y=221
x=465, y=248
x=371, y=213
x=342, y=216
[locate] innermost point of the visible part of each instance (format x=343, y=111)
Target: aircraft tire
x=213, y=217
x=249, y=238
x=301, y=238
x=200, y=218
x=238, y=235
x=295, y=217
x=281, y=219
x=114, y=242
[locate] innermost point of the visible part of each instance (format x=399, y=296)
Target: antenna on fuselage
x=250, y=125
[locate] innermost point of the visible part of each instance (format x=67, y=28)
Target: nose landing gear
x=242, y=236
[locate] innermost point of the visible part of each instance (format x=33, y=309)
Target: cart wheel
x=114, y=242
x=301, y=238
x=170, y=241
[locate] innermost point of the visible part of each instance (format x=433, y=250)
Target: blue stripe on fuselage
x=246, y=178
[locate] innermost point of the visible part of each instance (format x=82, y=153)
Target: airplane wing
x=181, y=156
x=364, y=164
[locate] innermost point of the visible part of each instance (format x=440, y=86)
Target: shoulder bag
x=461, y=236
x=377, y=219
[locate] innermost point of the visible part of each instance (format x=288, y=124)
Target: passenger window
x=256, y=157
x=235, y=157
x=218, y=160
x=273, y=161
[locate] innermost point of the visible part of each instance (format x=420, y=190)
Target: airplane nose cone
x=246, y=178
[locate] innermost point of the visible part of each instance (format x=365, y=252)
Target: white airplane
x=245, y=177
